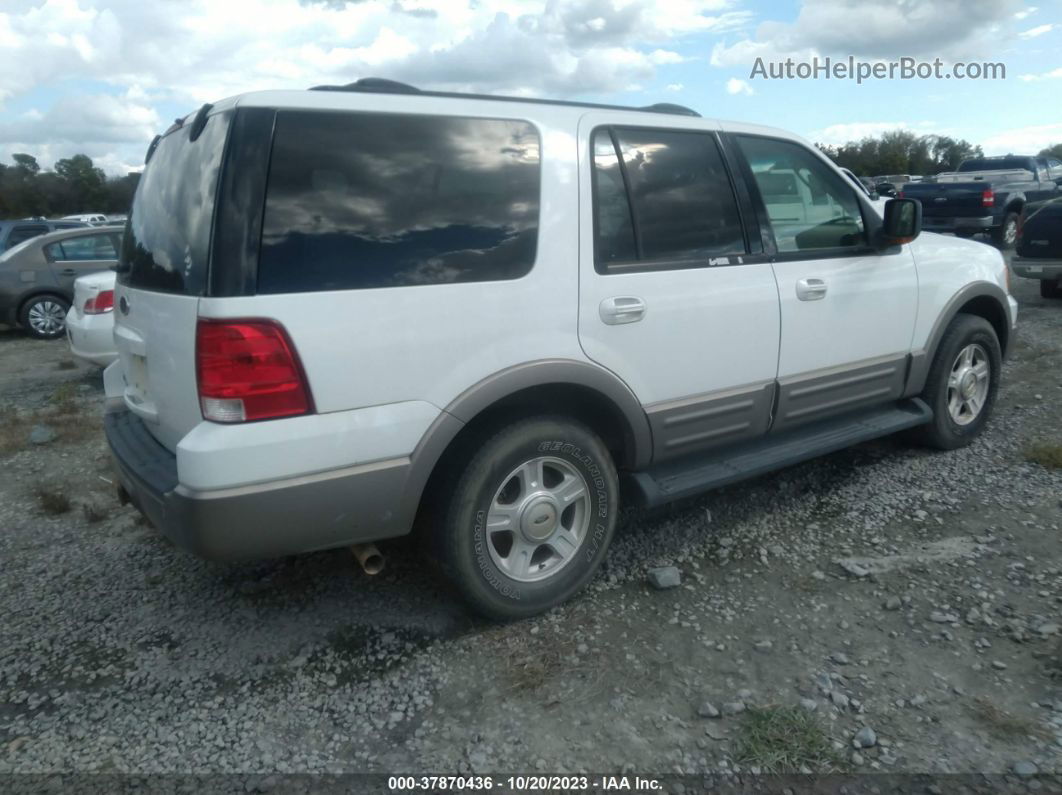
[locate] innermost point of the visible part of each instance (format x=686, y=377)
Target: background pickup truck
x=1039, y=254
x=986, y=194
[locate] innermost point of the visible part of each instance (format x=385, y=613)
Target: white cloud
x=675, y=87
x=195, y=51
x=1054, y=74
x=873, y=29
x=1039, y=30
x=735, y=86
x=1026, y=12
x=1022, y=140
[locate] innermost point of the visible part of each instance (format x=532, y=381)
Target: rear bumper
x=91, y=337
x=950, y=224
x=321, y=511
x=1043, y=269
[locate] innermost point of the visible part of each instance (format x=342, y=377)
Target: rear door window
x=89, y=247
x=24, y=232
x=369, y=200
x=663, y=198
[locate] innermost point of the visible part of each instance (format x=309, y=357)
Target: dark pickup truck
x=1039, y=250
x=986, y=194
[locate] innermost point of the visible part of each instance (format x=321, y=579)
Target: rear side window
x=167, y=242
x=662, y=197
x=89, y=247
x=367, y=200
x=20, y=234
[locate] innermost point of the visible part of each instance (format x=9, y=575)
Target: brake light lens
x=899, y=194
x=248, y=370
x=988, y=197
x=100, y=303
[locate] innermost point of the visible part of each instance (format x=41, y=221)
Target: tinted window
x=364, y=200
x=684, y=206
x=167, y=240
x=89, y=247
x=24, y=232
x=612, y=212
x=817, y=209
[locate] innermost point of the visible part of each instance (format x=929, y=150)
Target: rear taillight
x=899, y=194
x=988, y=197
x=102, y=302
x=248, y=370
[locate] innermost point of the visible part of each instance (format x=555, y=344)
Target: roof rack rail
x=380, y=85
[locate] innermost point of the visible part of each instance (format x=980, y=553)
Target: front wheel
x=44, y=316
x=531, y=517
x=1050, y=289
x=962, y=383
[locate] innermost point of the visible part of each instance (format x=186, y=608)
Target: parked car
x=90, y=319
x=14, y=232
x=1039, y=247
x=885, y=188
x=481, y=315
x=92, y=219
x=37, y=276
x=986, y=194
x=862, y=183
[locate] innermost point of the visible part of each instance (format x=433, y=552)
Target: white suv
x=348, y=311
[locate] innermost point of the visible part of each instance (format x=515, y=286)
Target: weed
x=1046, y=454
x=52, y=502
x=66, y=364
x=93, y=512
x=783, y=740
x=1004, y=725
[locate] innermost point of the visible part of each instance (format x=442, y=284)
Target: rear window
x=367, y=200
x=997, y=164
x=167, y=241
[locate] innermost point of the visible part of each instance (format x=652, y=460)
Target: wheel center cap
x=968, y=385
x=539, y=519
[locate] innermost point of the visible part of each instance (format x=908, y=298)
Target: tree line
x=904, y=152
x=74, y=185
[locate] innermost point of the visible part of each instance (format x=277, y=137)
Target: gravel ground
x=896, y=609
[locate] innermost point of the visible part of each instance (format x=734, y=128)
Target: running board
x=674, y=480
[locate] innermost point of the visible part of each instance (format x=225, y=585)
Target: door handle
x=68, y=272
x=811, y=289
x=622, y=309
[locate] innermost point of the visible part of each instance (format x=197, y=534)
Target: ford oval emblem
x=123, y=305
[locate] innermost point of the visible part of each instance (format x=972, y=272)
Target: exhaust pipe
x=371, y=559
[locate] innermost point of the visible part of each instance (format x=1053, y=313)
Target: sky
x=101, y=77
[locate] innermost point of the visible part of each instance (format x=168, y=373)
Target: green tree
x=1055, y=150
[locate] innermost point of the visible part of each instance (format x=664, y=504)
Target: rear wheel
x=1050, y=289
x=530, y=519
x=962, y=383
x=1006, y=234
x=44, y=316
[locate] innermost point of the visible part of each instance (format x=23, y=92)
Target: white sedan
x=90, y=319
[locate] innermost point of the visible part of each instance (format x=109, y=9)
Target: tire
x=44, y=316
x=1050, y=289
x=965, y=234
x=951, y=429
x=554, y=545
x=1006, y=234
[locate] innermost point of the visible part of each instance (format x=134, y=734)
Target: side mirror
x=902, y=222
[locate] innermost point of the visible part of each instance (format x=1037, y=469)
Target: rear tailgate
x=949, y=200
x=161, y=276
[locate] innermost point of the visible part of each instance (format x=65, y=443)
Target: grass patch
x=66, y=364
x=783, y=740
x=1046, y=454
x=63, y=413
x=52, y=502
x=93, y=512
x=1004, y=725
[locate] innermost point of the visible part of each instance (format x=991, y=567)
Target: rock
x=824, y=681
x=1025, y=768
x=764, y=645
x=42, y=434
x=857, y=758
x=665, y=577
x=707, y=710
x=839, y=699
x=818, y=575
x=853, y=568
x=999, y=665
x=940, y=617
x=733, y=707
x=840, y=658
x=973, y=616
x=715, y=731
x=1047, y=629
x=809, y=704
x=892, y=603
x=865, y=738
